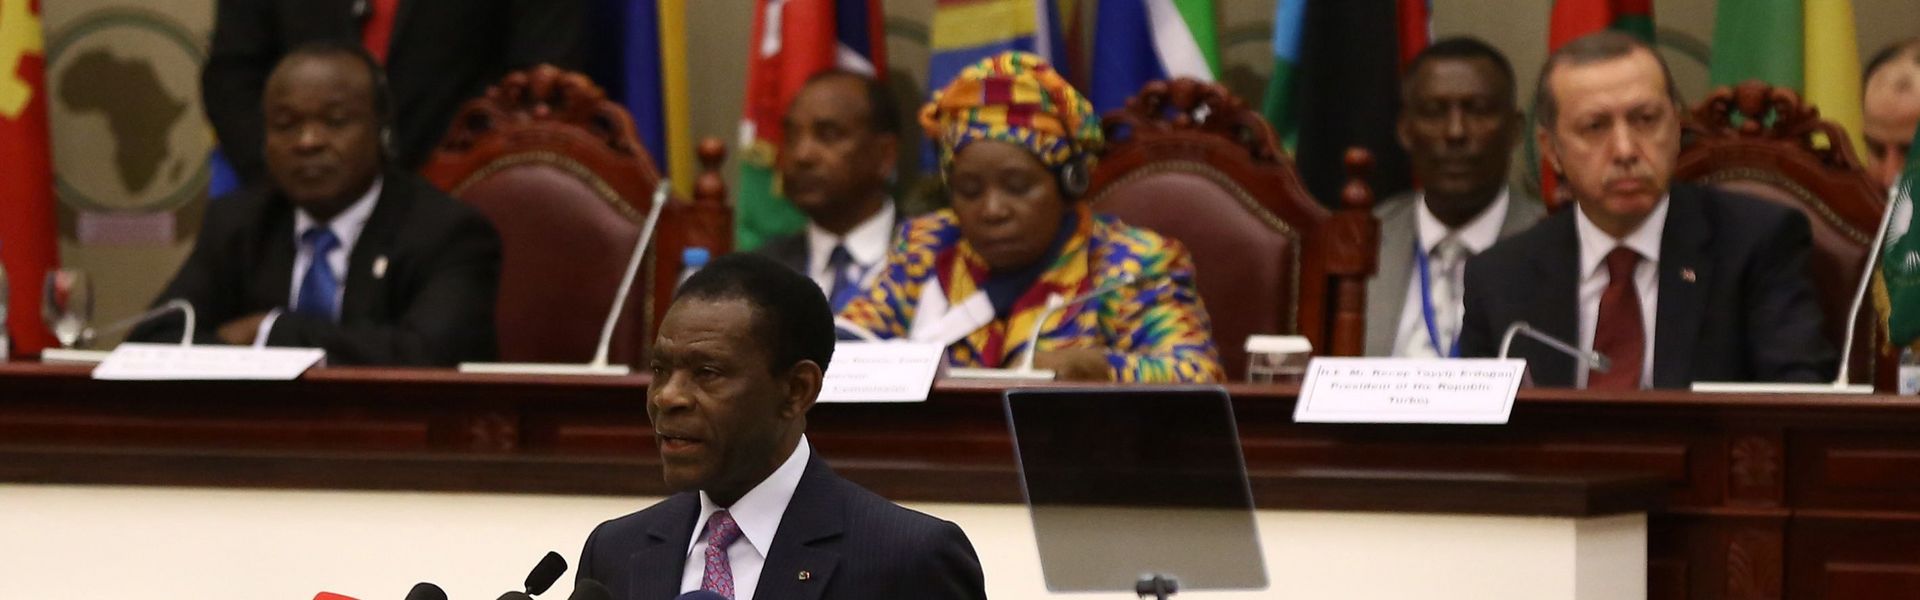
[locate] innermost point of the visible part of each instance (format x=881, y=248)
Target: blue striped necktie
x=320, y=288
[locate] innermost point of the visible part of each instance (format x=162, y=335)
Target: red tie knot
x=1620, y=263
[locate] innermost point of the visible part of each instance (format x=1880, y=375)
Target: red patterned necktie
x=1618, y=333
x=722, y=532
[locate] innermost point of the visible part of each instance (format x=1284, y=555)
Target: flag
x=1137, y=41
x=639, y=57
x=1572, y=19
x=1805, y=45
x=28, y=248
x=968, y=31
x=1899, y=295
x=1833, y=66
x=792, y=40
x=1759, y=39
x=1347, y=93
x=1289, y=16
x=1416, y=29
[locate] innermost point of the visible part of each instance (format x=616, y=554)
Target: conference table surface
x=1757, y=496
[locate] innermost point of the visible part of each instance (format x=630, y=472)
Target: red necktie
x=377, y=32
x=1618, y=334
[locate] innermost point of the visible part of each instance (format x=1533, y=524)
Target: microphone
x=545, y=573
x=1055, y=304
x=633, y=266
x=588, y=589
x=700, y=595
x=183, y=307
x=842, y=325
x=1588, y=359
x=599, y=364
x=426, y=591
x=1860, y=291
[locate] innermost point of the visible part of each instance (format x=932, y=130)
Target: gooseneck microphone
x=183, y=307
x=545, y=573
x=1860, y=291
x=1056, y=304
x=633, y=266
x=426, y=591
x=1588, y=359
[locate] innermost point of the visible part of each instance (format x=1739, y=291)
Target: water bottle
x=691, y=260
x=1909, y=372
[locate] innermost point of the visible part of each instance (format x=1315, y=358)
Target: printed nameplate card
x=881, y=372
x=1408, y=390
x=162, y=362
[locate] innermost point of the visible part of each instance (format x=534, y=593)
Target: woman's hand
x=1076, y=364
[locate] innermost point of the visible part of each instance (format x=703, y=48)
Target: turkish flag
x=27, y=244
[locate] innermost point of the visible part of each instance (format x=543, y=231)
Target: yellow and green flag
x=1806, y=45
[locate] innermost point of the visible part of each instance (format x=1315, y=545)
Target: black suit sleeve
x=949, y=569
x=546, y=31
x=244, y=49
x=215, y=301
x=1475, y=339
x=448, y=312
x=1784, y=320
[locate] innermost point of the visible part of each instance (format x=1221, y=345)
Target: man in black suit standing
x=835, y=162
x=437, y=54
x=736, y=365
x=337, y=252
x=1672, y=283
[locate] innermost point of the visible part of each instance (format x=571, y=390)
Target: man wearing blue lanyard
x=1460, y=124
x=841, y=134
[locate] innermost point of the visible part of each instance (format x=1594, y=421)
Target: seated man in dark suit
x=1460, y=123
x=835, y=162
x=1672, y=283
x=371, y=264
x=736, y=365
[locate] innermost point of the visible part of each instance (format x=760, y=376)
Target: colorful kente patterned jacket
x=1155, y=330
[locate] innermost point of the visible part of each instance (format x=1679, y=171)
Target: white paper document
x=163, y=362
x=1408, y=390
x=881, y=372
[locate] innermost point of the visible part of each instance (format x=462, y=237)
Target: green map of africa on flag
x=1900, y=265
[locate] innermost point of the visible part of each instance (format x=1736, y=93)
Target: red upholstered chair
x=1190, y=161
x=1801, y=161
x=559, y=171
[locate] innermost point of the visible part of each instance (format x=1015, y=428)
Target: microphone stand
x=598, y=366
x=88, y=357
x=1055, y=304
x=1588, y=360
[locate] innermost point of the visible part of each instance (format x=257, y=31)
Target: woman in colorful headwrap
x=1016, y=145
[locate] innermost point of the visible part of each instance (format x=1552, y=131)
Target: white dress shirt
x=867, y=242
x=346, y=227
x=1594, y=246
x=758, y=513
x=1476, y=235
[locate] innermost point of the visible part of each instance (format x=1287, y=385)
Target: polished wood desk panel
x=1796, y=496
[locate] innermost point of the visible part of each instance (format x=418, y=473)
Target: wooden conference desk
x=1766, y=496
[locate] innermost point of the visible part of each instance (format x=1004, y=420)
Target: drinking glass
x=68, y=306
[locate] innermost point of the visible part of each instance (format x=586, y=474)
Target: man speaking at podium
x=1672, y=283
x=737, y=364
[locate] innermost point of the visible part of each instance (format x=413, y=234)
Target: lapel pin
x=1687, y=275
x=805, y=575
x=380, y=268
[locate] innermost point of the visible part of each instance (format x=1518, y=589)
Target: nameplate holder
x=1743, y=387
x=499, y=368
x=173, y=362
x=881, y=372
x=68, y=356
x=1001, y=374
x=1409, y=390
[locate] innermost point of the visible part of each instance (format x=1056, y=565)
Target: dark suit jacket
x=442, y=53
x=793, y=249
x=855, y=545
x=1399, y=224
x=432, y=304
x=1748, y=313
